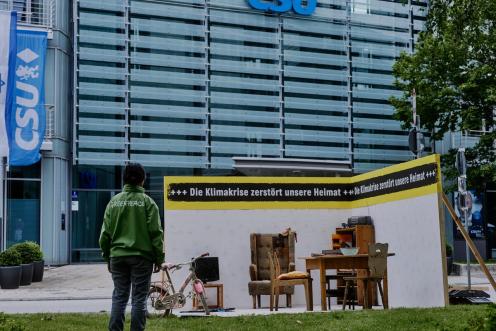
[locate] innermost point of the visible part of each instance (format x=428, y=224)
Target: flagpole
x=2, y=205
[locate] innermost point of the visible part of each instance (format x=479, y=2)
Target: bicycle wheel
x=203, y=301
x=154, y=294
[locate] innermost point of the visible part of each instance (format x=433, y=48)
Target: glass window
x=32, y=171
x=23, y=211
x=361, y=7
x=155, y=176
x=97, y=177
x=87, y=223
x=158, y=197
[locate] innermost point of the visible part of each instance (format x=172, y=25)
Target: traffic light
x=416, y=142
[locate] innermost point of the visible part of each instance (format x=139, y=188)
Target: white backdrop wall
x=411, y=227
x=226, y=234
x=412, y=230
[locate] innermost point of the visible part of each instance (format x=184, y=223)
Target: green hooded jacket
x=131, y=227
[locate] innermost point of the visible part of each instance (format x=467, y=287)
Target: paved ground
x=87, y=282
x=73, y=288
x=88, y=288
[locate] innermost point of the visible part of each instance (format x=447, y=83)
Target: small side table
x=220, y=295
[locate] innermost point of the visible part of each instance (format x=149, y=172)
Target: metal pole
x=467, y=249
x=414, y=107
x=1, y=201
x=5, y=198
x=465, y=212
x=2, y=206
x=419, y=138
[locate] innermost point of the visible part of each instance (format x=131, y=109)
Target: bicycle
x=162, y=296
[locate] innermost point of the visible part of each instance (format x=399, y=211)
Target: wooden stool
x=220, y=295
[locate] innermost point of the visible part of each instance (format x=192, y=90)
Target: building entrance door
x=87, y=223
x=23, y=211
x=22, y=192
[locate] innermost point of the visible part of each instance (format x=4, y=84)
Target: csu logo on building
x=282, y=6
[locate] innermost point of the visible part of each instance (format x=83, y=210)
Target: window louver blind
x=190, y=84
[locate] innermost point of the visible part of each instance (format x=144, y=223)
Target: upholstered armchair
x=261, y=245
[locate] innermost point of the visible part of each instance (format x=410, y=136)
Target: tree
x=453, y=71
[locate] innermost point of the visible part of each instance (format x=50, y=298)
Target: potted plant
x=38, y=262
x=10, y=269
x=28, y=256
x=449, y=258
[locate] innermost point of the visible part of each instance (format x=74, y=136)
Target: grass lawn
x=452, y=318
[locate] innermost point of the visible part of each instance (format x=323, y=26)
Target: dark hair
x=134, y=174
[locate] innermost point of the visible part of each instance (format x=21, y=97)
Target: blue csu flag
x=27, y=120
x=7, y=59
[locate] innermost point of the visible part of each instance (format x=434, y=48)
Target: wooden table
x=325, y=262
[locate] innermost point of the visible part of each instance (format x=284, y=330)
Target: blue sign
x=27, y=118
x=282, y=6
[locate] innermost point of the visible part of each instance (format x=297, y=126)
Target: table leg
x=386, y=292
x=222, y=296
x=366, y=300
x=371, y=288
x=323, y=301
x=310, y=289
x=219, y=296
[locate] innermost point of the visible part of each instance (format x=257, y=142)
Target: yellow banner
x=403, y=181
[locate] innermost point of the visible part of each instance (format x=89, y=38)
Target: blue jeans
x=129, y=272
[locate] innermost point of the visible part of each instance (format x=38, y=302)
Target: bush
x=10, y=257
x=30, y=251
x=37, y=253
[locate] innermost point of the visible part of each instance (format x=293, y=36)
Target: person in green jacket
x=132, y=243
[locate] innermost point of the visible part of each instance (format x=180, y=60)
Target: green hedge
x=10, y=257
x=29, y=251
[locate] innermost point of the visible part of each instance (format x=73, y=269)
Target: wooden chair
x=278, y=280
x=377, y=264
x=260, y=245
x=338, y=292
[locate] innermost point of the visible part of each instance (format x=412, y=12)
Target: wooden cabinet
x=357, y=236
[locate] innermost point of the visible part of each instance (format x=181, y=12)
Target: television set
x=207, y=269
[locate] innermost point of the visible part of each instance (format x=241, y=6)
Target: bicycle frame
x=190, y=278
x=168, y=297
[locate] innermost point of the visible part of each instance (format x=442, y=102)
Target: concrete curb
x=460, y=269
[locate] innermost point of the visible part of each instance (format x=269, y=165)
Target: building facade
x=184, y=86
x=37, y=203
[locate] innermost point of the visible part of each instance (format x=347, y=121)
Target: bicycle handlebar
x=198, y=257
x=171, y=266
